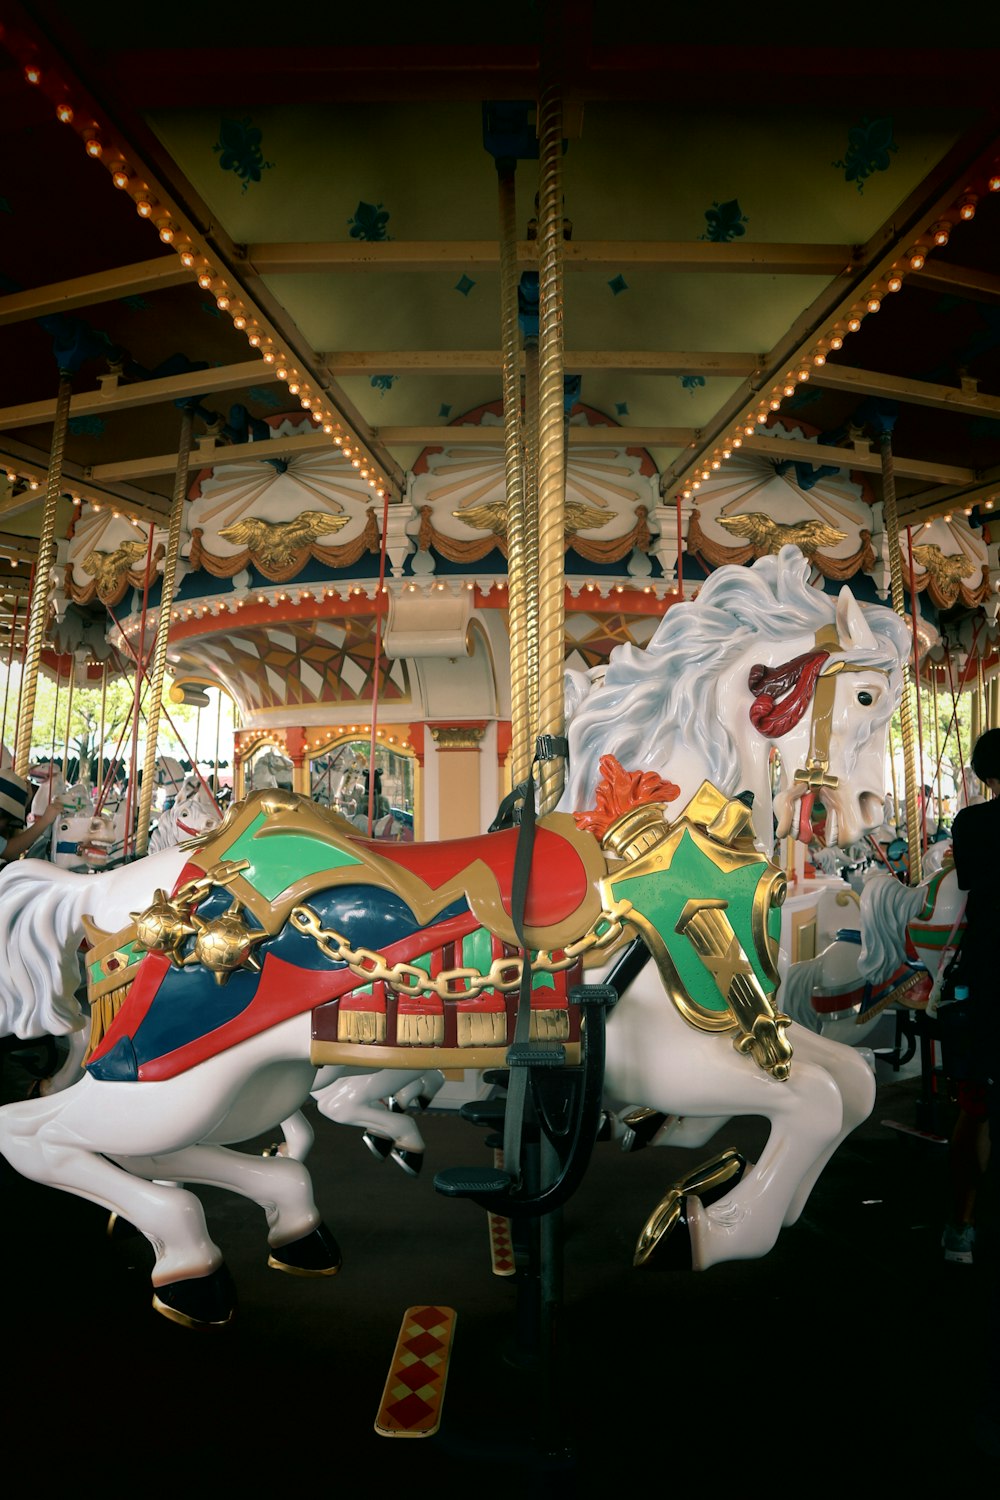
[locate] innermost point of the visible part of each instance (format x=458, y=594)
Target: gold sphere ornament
x=225, y=944
x=162, y=927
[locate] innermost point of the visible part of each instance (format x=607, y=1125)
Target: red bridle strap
x=782, y=694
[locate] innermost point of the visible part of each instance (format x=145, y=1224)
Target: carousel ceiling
x=774, y=256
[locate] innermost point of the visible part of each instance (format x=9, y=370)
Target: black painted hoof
x=410, y=1161
x=199, y=1302
x=641, y=1125
x=395, y=1108
x=315, y=1254
x=378, y=1145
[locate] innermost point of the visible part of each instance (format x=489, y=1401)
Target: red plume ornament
x=619, y=791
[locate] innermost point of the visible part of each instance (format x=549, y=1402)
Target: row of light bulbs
x=914, y=259
x=209, y=277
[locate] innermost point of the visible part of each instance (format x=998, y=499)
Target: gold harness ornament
x=503, y=975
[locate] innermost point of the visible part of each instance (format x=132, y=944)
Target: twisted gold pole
x=162, y=634
x=531, y=532
x=552, y=443
x=891, y=516
x=44, y=564
x=520, y=705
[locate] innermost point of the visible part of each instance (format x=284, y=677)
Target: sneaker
x=958, y=1242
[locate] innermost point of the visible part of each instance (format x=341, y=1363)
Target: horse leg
x=40, y=1139
x=855, y=1081
x=421, y=1091
x=358, y=1099
x=806, y=1115
x=298, y=1238
x=299, y=1137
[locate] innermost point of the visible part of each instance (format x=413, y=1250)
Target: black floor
x=852, y=1354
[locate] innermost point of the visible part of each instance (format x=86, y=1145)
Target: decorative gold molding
x=458, y=736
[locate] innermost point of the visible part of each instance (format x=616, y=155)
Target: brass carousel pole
x=521, y=680
x=44, y=564
x=552, y=443
x=162, y=634
x=891, y=515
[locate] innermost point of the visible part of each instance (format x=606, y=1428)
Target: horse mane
x=41, y=912
x=647, y=705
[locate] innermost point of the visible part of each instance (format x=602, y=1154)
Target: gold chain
x=194, y=891
x=455, y=984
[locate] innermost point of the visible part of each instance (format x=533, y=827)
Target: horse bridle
x=811, y=677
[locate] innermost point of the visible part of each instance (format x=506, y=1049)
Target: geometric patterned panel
x=590, y=639
x=295, y=664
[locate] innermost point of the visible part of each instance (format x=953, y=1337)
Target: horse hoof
x=199, y=1302
x=641, y=1126
x=410, y=1161
x=378, y=1145
x=315, y=1254
x=395, y=1108
x=707, y=1183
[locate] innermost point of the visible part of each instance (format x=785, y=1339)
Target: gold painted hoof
x=665, y=1217
x=712, y=1180
x=315, y=1254
x=199, y=1302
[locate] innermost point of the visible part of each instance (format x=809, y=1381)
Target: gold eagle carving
x=108, y=569
x=493, y=517
x=277, y=543
x=768, y=537
x=946, y=570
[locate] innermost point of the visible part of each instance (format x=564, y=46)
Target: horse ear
x=852, y=627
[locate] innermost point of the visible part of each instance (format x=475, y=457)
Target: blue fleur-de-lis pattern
x=725, y=221
x=368, y=222
x=868, y=150
x=240, y=151
x=383, y=383
x=692, y=382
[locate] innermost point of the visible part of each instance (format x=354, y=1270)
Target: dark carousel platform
x=852, y=1352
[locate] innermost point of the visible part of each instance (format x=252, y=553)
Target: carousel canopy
x=773, y=257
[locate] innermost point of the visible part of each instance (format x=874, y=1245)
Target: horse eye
x=865, y=698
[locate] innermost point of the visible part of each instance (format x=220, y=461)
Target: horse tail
x=41, y=930
x=797, y=989
x=886, y=909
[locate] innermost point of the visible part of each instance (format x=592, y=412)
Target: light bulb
x=967, y=207
x=32, y=74
x=93, y=147
x=819, y=359
x=222, y=302
x=836, y=342
x=64, y=112
x=873, y=304
x=143, y=207
x=187, y=259
x=738, y=441
x=205, y=279
x=854, y=323
x=941, y=232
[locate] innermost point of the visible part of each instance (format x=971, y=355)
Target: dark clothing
x=975, y=836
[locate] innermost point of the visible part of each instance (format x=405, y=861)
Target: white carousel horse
x=193, y=811
x=737, y=670
x=887, y=951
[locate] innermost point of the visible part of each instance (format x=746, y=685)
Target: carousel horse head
x=760, y=662
x=193, y=811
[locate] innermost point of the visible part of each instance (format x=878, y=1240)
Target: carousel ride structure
x=212, y=934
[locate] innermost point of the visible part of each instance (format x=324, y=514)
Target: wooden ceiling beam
x=781, y=450
x=32, y=465
x=579, y=437
x=206, y=455
x=962, y=399
x=604, y=256
x=88, y=291
x=959, y=281
x=482, y=361
x=121, y=396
